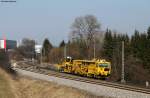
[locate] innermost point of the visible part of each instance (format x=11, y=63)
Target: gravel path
x=92, y=88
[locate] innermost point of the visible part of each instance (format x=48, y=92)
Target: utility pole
x=123, y=71
x=65, y=50
x=41, y=56
x=94, y=48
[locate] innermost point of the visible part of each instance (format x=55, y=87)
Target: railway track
x=33, y=68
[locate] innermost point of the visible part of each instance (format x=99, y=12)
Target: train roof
x=84, y=61
x=92, y=61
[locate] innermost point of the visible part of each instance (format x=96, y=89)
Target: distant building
x=38, y=48
x=8, y=44
x=2, y=44
x=11, y=44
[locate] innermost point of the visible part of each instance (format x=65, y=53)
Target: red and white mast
x=5, y=43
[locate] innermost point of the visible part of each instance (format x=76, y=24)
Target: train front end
x=103, y=68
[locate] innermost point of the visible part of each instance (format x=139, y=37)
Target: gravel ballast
x=98, y=90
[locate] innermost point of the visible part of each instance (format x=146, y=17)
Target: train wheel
x=103, y=78
x=96, y=77
x=88, y=75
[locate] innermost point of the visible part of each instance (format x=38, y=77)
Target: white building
x=38, y=48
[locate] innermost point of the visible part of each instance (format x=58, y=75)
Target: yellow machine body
x=90, y=68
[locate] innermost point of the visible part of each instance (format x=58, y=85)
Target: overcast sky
x=39, y=19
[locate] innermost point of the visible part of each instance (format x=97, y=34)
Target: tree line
x=87, y=38
x=87, y=34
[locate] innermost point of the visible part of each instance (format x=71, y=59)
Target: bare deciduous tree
x=84, y=29
x=27, y=48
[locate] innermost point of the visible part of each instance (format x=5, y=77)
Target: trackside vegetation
x=86, y=34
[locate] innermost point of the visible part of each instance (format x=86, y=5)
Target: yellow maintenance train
x=97, y=68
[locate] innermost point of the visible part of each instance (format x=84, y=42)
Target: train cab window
x=68, y=59
x=103, y=65
x=71, y=60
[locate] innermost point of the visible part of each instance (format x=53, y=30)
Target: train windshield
x=103, y=65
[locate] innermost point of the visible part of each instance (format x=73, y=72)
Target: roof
x=84, y=61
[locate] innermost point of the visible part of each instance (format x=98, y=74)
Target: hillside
x=5, y=88
x=25, y=87
x=14, y=86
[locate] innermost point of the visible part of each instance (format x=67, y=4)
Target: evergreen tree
x=47, y=46
x=135, y=44
x=140, y=48
x=108, y=45
x=148, y=33
x=62, y=44
x=147, y=50
x=144, y=53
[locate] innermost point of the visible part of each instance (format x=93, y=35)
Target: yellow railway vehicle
x=91, y=68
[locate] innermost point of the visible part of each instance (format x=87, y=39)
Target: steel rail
x=84, y=79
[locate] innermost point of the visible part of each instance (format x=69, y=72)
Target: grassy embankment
x=14, y=86
x=24, y=87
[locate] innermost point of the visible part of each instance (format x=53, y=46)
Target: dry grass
x=5, y=87
x=25, y=87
